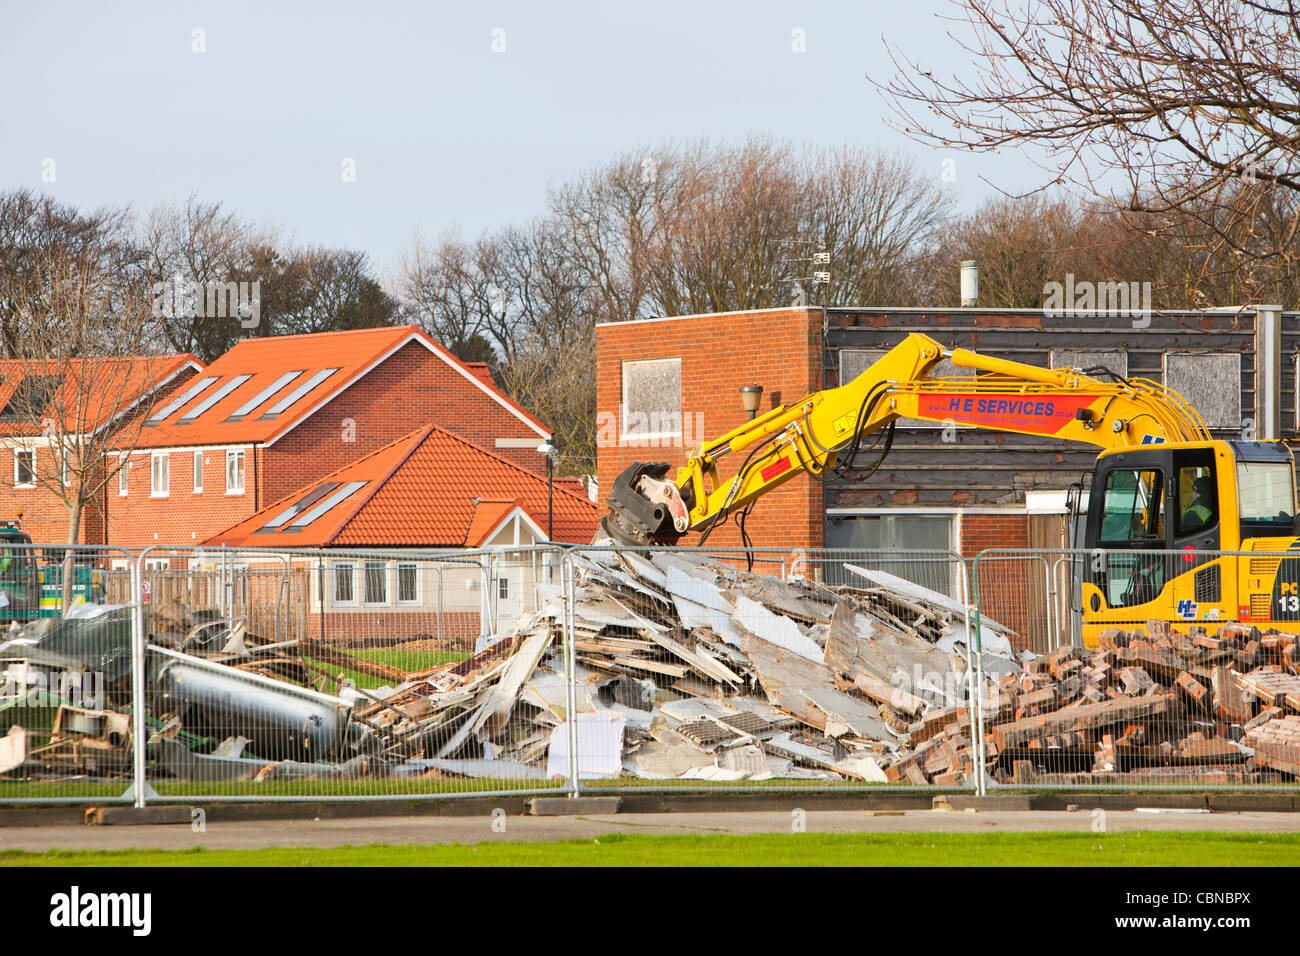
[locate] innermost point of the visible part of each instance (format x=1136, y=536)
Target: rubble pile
x=688, y=668
x=684, y=668
x=1151, y=704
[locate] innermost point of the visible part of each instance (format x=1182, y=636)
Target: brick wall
x=1011, y=591
x=779, y=349
x=184, y=517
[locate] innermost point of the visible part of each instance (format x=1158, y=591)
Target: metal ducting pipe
x=970, y=284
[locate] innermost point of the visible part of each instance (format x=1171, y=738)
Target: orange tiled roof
x=428, y=489
x=86, y=394
x=482, y=372
x=263, y=387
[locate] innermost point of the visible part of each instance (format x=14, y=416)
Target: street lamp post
x=547, y=449
x=750, y=396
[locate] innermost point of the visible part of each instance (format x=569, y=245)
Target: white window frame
x=163, y=458
x=233, y=455
x=66, y=458
x=397, y=590
x=624, y=412
x=124, y=476
x=365, y=582
x=31, y=468
x=335, y=568
x=198, y=472
x=157, y=564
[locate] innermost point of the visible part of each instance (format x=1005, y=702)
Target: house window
x=160, y=485
x=408, y=583
x=344, y=591
x=503, y=588
x=1209, y=382
x=124, y=476
x=67, y=467
x=24, y=468
x=198, y=472
x=234, y=472
x=652, y=400
x=376, y=582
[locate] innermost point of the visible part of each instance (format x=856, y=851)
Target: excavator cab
x=1154, y=513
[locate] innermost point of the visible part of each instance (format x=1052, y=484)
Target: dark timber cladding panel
x=996, y=468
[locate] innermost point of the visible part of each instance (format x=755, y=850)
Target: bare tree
x=1184, y=112
x=77, y=394
x=36, y=228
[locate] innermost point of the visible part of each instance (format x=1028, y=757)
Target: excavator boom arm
x=826, y=427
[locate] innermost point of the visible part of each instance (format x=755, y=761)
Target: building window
x=408, y=583
x=652, y=400
x=1209, y=382
x=160, y=485
x=853, y=362
x=198, y=472
x=874, y=536
x=503, y=588
x=24, y=469
x=376, y=582
x=344, y=591
x=234, y=472
x=124, y=476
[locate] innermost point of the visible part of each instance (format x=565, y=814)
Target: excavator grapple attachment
x=645, y=508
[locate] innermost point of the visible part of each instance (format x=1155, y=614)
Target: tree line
x=675, y=230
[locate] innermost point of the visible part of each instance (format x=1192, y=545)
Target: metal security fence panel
x=67, y=709
x=692, y=671
x=1163, y=669
x=348, y=674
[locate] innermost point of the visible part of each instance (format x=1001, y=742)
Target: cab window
x=1133, y=511
x=1198, y=506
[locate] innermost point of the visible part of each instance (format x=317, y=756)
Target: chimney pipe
x=970, y=284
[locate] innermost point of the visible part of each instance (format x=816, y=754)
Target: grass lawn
x=393, y=657
x=802, y=849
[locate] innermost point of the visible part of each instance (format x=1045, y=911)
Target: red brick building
x=275, y=414
x=665, y=384
x=44, y=406
x=429, y=490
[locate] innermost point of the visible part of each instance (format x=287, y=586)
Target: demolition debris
x=683, y=668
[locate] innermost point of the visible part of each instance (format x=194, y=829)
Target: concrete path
x=426, y=830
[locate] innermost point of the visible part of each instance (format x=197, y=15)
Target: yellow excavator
x=1162, y=492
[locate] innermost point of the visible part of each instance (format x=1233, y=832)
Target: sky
x=357, y=123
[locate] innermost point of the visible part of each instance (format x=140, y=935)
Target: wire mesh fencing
x=192, y=675
x=1162, y=669
x=67, y=680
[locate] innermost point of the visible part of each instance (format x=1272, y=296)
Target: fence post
x=973, y=635
x=138, y=674
x=567, y=575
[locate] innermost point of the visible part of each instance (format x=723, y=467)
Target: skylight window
x=299, y=506
x=339, y=496
x=175, y=405
x=298, y=393
x=31, y=398
x=212, y=399
x=244, y=410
